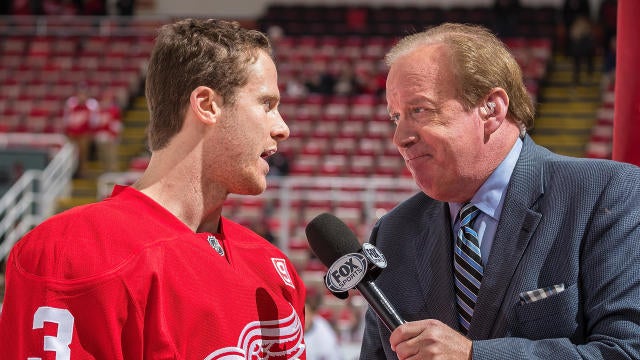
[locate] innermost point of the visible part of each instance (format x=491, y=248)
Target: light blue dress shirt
x=489, y=199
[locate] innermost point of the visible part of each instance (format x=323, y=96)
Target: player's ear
x=205, y=104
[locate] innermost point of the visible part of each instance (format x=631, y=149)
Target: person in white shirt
x=319, y=336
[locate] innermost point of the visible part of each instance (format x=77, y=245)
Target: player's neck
x=178, y=188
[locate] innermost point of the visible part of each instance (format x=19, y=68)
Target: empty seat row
x=400, y=20
x=40, y=72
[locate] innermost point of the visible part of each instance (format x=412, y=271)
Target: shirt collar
x=489, y=196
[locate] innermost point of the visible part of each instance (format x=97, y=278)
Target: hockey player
x=154, y=271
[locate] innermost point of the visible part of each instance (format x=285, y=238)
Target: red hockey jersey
x=126, y=279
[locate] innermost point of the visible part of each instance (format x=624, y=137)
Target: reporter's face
x=439, y=140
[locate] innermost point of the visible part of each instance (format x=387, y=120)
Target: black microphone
x=350, y=265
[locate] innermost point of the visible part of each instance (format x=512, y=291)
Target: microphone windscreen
x=330, y=238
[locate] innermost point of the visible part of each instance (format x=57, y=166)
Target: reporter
x=510, y=251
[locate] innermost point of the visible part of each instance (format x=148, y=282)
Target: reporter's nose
x=403, y=136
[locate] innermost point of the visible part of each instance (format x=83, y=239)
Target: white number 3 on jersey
x=59, y=343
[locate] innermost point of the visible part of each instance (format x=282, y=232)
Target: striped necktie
x=467, y=266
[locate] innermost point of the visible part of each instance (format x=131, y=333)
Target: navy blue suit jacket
x=565, y=221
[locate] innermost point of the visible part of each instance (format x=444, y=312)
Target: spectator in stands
x=507, y=17
x=295, y=88
x=370, y=81
x=262, y=228
x=582, y=46
x=80, y=116
x=155, y=271
x=571, y=10
x=107, y=132
x=510, y=251
x=275, y=34
x=319, y=336
x=346, y=83
x=608, y=21
x=319, y=79
x=126, y=7
x=278, y=164
x=609, y=66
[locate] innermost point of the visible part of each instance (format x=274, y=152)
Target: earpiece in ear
x=488, y=108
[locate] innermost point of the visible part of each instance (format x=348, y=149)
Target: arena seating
x=39, y=72
x=393, y=21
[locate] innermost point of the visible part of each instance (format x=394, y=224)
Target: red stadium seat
x=343, y=145
x=362, y=165
x=305, y=164
x=333, y=165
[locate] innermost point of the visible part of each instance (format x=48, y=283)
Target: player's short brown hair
x=480, y=63
x=191, y=53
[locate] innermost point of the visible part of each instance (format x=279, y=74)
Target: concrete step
x=66, y=203
x=134, y=141
x=564, y=123
x=575, y=151
x=568, y=107
x=140, y=102
x=129, y=150
x=565, y=63
x=569, y=93
x=548, y=130
x=560, y=140
x=84, y=184
x=134, y=132
x=136, y=116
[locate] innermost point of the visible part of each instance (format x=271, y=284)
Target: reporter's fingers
x=410, y=330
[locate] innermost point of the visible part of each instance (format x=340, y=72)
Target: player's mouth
x=265, y=154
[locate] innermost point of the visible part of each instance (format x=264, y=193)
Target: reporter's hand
x=429, y=339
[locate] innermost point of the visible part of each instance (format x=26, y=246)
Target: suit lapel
x=434, y=258
x=517, y=223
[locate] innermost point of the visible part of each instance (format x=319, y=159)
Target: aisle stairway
x=132, y=144
x=566, y=113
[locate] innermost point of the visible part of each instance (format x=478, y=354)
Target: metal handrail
x=31, y=199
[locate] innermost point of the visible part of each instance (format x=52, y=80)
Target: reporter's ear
x=494, y=111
